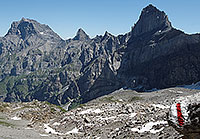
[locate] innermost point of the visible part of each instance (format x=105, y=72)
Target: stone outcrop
x=184, y=116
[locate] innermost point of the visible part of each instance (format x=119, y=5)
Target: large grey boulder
x=184, y=116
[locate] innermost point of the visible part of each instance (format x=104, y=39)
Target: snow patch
x=97, y=111
x=180, y=92
x=85, y=111
x=148, y=127
x=117, y=129
x=41, y=33
x=73, y=131
x=56, y=123
x=50, y=130
x=44, y=135
x=28, y=128
x=16, y=118
x=108, y=118
x=153, y=131
x=160, y=106
x=172, y=91
x=90, y=111
x=17, y=108
x=133, y=115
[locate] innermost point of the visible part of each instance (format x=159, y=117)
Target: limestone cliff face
x=35, y=63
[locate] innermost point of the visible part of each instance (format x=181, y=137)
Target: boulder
x=184, y=116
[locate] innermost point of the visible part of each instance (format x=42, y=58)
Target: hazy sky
x=96, y=16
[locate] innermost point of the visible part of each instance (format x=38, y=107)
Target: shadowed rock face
x=37, y=64
x=151, y=19
x=25, y=28
x=81, y=35
x=159, y=56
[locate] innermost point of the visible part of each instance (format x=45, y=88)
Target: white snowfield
x=73, y=131
x=90, y=111
x=56, y=124
x=50, y=130
x=44, y=135
x=107, y=118
x=133, y=115
x=148, y=127
x=16, y=118
x=160, y=106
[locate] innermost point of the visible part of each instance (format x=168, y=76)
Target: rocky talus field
x=122, y=114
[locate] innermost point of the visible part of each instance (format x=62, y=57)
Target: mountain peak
x=81, y=35
x=107, y=34
x=151, y=19
x=25, y=20
x=28, y=27
x=23, y=28
x=150, y=8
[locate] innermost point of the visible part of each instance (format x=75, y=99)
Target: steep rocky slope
x=158, y=55
x=35, y=63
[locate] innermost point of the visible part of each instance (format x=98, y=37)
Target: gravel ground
x=17, y=129
x=121, y=114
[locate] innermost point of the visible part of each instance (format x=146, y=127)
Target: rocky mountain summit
x=81, y=35
x=151, y=19
x=35, y=63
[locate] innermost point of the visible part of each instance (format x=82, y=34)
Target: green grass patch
x=108, y=99
x=74, y=105
x=135, y=98
x=54, y=106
